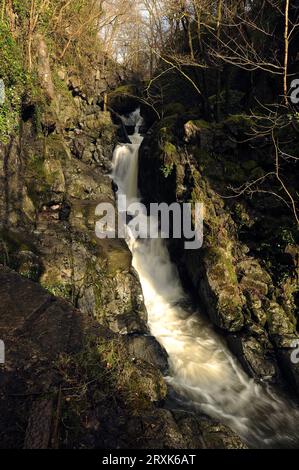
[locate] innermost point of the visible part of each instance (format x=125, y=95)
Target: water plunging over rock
x=202, y=370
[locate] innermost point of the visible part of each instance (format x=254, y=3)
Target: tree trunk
x=286, y=52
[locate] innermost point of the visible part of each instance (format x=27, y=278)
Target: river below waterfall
x=202, y=370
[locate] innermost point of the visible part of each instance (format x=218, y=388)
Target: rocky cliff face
x=245, y=277
x=51, y=184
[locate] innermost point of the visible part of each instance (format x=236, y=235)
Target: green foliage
x=21, y=8
x=52, y=20
x=11, y=64
x=169, y=149
x=8, y=121
x=170, y=155
x=167, y=169
x=125, y=90
x=15, y=78
x=62, y=90
x=64, y=291
x=33, y=92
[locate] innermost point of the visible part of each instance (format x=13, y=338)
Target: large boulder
x=148, y=349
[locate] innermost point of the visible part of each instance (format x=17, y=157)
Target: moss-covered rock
x=279, y=323
x=240, y=275
x=258, y=359
x=124, y=99
x=221, y=290
x=54, y=176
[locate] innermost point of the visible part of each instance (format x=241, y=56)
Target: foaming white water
x=202, y=370
x=125, y=160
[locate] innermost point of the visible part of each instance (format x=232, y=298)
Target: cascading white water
x=202, y=370
x=125, y=160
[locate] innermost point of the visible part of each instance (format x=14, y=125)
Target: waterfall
x=202, y=370
x=125, y=160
